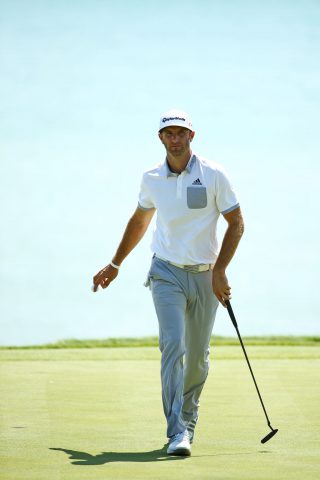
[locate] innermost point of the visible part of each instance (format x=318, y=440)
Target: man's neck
x=178, y=164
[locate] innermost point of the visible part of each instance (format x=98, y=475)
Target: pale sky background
x=82, y=86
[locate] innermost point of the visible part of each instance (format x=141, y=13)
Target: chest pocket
x=197, y=197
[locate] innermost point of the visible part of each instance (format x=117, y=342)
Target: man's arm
x=231, y=239
x=134, y=232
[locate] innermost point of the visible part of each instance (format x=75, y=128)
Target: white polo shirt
x=188, y=207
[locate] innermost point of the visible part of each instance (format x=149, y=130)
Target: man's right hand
x=134, y=231
x=104, y=277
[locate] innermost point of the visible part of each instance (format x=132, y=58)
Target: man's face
x=176, y=140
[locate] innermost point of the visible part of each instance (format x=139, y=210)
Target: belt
x=200, y=267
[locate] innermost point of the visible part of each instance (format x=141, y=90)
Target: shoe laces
x=180, y=436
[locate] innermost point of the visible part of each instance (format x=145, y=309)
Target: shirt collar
x=188, y=168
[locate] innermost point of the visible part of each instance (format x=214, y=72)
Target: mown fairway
x=96, y=413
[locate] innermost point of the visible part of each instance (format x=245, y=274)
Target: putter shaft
x=234, y=321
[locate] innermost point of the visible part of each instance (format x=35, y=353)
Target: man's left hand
x=220, y=286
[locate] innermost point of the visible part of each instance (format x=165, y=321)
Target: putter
x=233, y=319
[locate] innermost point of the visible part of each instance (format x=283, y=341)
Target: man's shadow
x=83, y=458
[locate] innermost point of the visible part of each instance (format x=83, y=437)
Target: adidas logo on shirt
x=197, y=182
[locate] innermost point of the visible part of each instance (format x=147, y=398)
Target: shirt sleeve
x=145, y=201
x=226, y=198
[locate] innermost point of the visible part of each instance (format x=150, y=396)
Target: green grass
x=96, y=413
x=153, y=342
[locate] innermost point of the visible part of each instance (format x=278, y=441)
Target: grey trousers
x=186, y=309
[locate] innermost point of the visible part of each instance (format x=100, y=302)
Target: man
x=187, y=275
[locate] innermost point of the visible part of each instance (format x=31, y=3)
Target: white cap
x=176, y=118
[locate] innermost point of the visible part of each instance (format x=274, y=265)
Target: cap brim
x=175, y=124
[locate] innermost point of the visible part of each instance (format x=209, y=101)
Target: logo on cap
x=167, y=119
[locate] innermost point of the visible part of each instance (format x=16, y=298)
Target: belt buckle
x=192, y=268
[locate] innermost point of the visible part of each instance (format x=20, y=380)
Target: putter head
x=269, y=436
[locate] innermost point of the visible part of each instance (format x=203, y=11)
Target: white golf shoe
x=180, y=444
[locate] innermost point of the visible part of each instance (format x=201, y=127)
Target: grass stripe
x=153, y=342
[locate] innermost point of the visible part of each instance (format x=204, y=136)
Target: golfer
x=187, y=276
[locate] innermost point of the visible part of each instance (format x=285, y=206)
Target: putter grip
x=231, y=314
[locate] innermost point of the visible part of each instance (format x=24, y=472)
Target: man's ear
x=159, y=135
x=191, y=137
